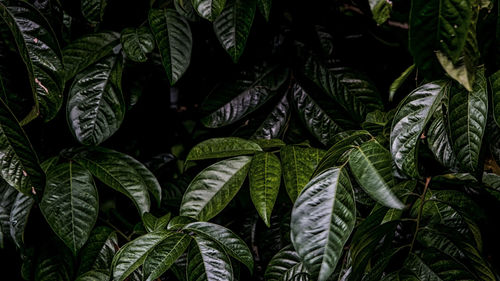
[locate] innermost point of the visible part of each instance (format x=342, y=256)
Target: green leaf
x=467, y=122
x=174, y=40
x=323, y=218
x=164, y=255
x=299, y=164
x=269, y=144
x=370, y=164
x=432, y=265
x=93, y=10
x=275, y=123
x=178, y=222
x=19, y=166
x=208, y=262
x=222, y=148
x=152, y=223
x=70, y=204
x=19, y=217
x=413, y=114
x=381, y=10
x=93, y=275
x=209, y=9
x=214, y=187
x=185, y=9
x=98, y=252
x=281, y=263
x=87, y=50
x=226, y=239
x=233, y=25
x=439, y=142
x=265, y=8
x=495, y=93
x=115, y=170
x=137, y=43
x=265, y=179
x=37, y=45
x=396, y=84
x=8, y=196
x=96, y=107
x=53, y=263
x=134, y=253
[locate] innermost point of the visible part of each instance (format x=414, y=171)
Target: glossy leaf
x=98, y=252
x=185, y=8
x=209, y=9
x=370, y=164
x=93, y=10
x=152, y=223
x=468, y=113
x=214, y=187
x=225, y=238
x=265, y=179
x=174, y=40
x=495, y=93
x=164, y=255
x=221, y=148
x=299, y=164
x=96, y=107
x=208, y=262
x=321, y=226
x=19, y=166
x=435, y=266
x=412, y=116
x=396, y=84
x=7, y=198
x=137, y=43
x=19, y=217
x=281, y=263
x=439, y=142
x=275, y=123
x=233, y=25
x=70, y=204
x=178, y=222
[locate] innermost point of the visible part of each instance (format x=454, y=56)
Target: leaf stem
x=419, y=215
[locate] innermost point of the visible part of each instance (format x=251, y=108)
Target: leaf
x=265, y=179
x=281, y=263
x=7, y=198
x=185, y=9
x=208, y=262
x=178, y=222
x=174, y=40
x=370, y=164
x=19, y=166
x=321, y=226
x=275, y=123
x=396, y=84
x=115, y=170
x=233, y=25
x=53, y=263
x=134, y=253
x=98, y=252
x=19, y=217
x=413, y=114
x=164, y=255
x=40, y=52
x=225, y=238
x=214, y=187
x=222, y=148
x=93, y=275
x=436, y=266
x=137, y=43
x=93, y=10
x=381, y=10
x=209, y=9
x=265, y=8
x=70, y=204
x=439, y=142
x=87, y=50
x=152, y=223
x=299, y=164
x=495, y=94
x=96, y=107
x=468, y=113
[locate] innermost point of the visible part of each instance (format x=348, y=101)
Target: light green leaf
x=209, y=9
x=381, y=10
x=19, y=217
x=70, y=204
x=98, y=252
x=137, y=43
x=93, y=10
x=214, y=187
x=323, y=218
x=396, y=84
x=208, y=262
x=221, y=148
x=233, y=25
x=174, y=40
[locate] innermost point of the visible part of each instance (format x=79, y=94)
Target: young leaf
x=214, y=187
x=137, y=43
x=265, y=179
x=412, y=116
x=225, y=238
x=370, y=164
x=381, y=10
x=174, y=40
x=208, y=262
x=70, y=204
x=93, y=10
x=299, y=164
x=98, y=252
x=233, y=25
x=222, y=148
x=323, y=218
x=19, y=217
x=209, y=9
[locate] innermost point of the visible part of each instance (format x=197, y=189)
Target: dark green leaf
x=178, y=222
x=137, y=43
x=275, y=123
x=495, y=93
x=208, y=262
x=265, y=7
x=93, y=10
x=98, y=252
x=439, y=141
x=209, y=9
x=8, y=196
x=281, y=263
x=221, y=148
x=152, y=223
x=185, y=8
x=19, y=217
x=93, y=275
x=399, y=81
x=432, y=265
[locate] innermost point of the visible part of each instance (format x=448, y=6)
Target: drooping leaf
x=221, y=148
x=299, y=164
x=399, y=81
x=321, y=226
x=214, y=187
x=439, y=142
x=412, y=116
x=265, y=8
x=468, y=113
x=370, y=164
x=164, y=255
x=381, y=10
x=98, y=252
x=275, y=123
x=96, y=107
x=93, y=10
x=115, y=170
x=265, y=179
x=208, y=262
x=70, y=203
x=226, y=240
x=174, y=40
x=87, y=50
x=19, y=217
x=209, y=9
x=137, y=43
x=19, y=166
x=282, y=262
x=233, y=25
x=40, y=52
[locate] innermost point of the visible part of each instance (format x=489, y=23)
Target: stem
x=422, y=202
x=108, y=223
